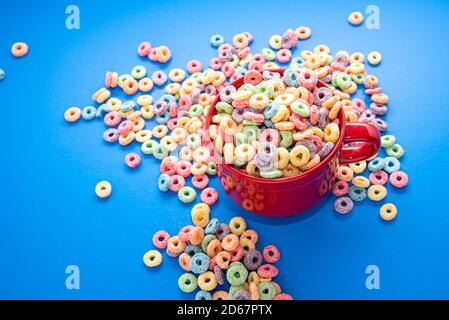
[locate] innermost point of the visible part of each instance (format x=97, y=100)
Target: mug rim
x=303, y=175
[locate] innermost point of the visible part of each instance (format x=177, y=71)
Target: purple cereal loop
x=343, y=205
x=237, y=115
x=378, y=109
x=195, y=94
x=309, y=145
x=325, y=150
x=323, y=118
x=225, y=55
x=267, y=152
x=367, y=115
x=111, y=135
x=264, y=166
x=219, y=275
x=226, y=94
x=160, y=107
x=253, y=259
x=379, y=124
x=320, y=95
x=242, y=295
x=222, y=231
x=211, y=90
x=342, y=57
x=159, y=78
x=327, y=78
x=182, y=113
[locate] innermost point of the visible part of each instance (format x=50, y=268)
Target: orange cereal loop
x=19, y=49
x=220, y=295
x=163, y=54
x=213, y=248
x=251, y=235
x=196, y=235
x=230, y=242
x=240, y=41
x=72, y=114
x=344, y=173
x=145, y=84
x=356, y=18
x=222, y=259
x=303, y=33
x=130, y=86
x=184, y=261
x=175, y=245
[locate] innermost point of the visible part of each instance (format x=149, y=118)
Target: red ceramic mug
x=291, y=195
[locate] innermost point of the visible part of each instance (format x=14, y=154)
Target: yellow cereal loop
x=331, y=133
x=358, y=167
x=388, y=212
x=374, y=58
x=103, y=189
x=200, y=215
x=237, y=225
x=152, y=258
x=207, y=281
x=275, y=42
x=360, y=182
x=143, y=135
x=377, y=192
x=282, y=158
x=299, y=156
x=144, y=100
x=147, y=112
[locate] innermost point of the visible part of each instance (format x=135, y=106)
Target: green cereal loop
x=148, y=146
x=196, y=76
x=252, y=132
x=235, y=60
x=206, y=110
x=240, y=138
x=271, y=174
x=233, y=290
x=223, y=107
x=267, y=291
x=211, y=170
x=343, y=80
x=195, y=110
x=206, y=240
x=138, y=72
x=268, y=54
x=236, y=275
x=300, y=109
x=387, y=141
x=334, y=78
x=159, y=152
x=187, y=283
x=193, y=141
x=122, y=78
x=286, y=139
x=358, y=78
x=187, y=194
x=395, y=151
x=266, y=88
x=248, y=87
x=251, y=123
x=236, y=264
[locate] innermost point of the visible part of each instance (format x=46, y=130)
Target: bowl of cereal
x=277, y=138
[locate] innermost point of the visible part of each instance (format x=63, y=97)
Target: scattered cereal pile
x=211, y=252
x=280, y=124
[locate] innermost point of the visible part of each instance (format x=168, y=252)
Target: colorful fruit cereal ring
x=220, y=295
x=360, y=182
x=163, y=54
x=267, y=271
x=19, y=49
x=388, y=212
x=176, y=183
x=266, y=291
x=111, y=135
x=2, y=74
x=184, y=261
x=391, y=164
x=356, y=18
x=72, y=114
x=303, y=33
x=378, y=177
x=199, y=263
x=343, y=205
x=152, y=258
x=143, y=49
x=230, y=242
x=377, y=192
x=194, y=66
x=399, y=179
x=103, y=189
x=271, y=254
x=187, y=282
x=163, y=182
x=200, y=182
x=237, y=225
x=207, y=281
x=236, y=274
x=160, y=239
x=374, y=58
x=216, y=40
x=253, y=259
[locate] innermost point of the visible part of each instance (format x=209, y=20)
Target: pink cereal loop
x=160, y=239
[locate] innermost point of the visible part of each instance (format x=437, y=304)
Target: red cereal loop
x=254, y=65
x=184, y=233
x=378, y=177
x=253, y=77
x=236, y=254
x=399, y=179
x=194, y=66
x=160, y=239
x=340, y=188
x=215, y=64
x=183, y=168
x=283, y=296
x=267, y=271
x=168, y=167
x=132, y=160
x=209, y=196
x=144, y=49
x=284, y=55
x=200, y=181
x=112, y=119
x=271, y=254
x=228, y=69
x=176, y=183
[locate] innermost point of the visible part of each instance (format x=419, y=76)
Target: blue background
x=51, y=218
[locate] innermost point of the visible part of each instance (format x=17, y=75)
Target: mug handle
x=360, y=142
